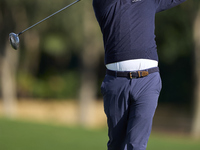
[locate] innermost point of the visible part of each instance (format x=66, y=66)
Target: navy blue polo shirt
x=128, y=27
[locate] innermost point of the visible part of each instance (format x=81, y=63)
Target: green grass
x=21, y=135
x=167, y=142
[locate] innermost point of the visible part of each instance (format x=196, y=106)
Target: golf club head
x=14, y=40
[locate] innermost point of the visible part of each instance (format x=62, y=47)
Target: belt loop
x=139, y=75
x=115, y=74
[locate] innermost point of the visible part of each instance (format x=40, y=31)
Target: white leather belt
x=132, y=65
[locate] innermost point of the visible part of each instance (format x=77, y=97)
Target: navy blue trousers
x=129, y=105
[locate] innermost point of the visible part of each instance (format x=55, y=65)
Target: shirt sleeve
x=167, y=4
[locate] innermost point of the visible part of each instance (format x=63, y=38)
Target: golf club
x=14, y=38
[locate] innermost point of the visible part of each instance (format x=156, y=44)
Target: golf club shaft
x=48, y=17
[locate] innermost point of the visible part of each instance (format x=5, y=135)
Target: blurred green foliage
x=52, y=86
x=174, y=37
x=53, y=72
x=174, y=33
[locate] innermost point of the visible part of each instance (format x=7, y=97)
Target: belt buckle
x=131, y=75
x=140, y=74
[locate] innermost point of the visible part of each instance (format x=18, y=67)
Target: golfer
x=132, y=83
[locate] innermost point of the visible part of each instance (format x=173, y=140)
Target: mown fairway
x=21, y=135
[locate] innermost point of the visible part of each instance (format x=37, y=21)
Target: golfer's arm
x=167, y=4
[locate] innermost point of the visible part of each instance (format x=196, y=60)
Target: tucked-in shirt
x=132, y=65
